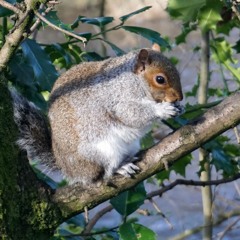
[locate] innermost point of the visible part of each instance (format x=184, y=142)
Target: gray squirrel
x=98, y=111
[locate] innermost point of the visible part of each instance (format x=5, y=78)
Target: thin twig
x=86, y=215
x=237, y=188
x=159, y=192
x=38, y=21
x=91, y=234
x=237, y=134
x=228, y=228
x=10, y=7
x=53, y=2
x=235, y=10
x=58, y=28
x=94, y=220
x=191, y=183
x=161, y=213
x=222, y=218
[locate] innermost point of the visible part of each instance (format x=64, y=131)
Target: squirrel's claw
x=128, y=170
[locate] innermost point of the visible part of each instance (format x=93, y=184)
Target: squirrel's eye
x=160, y=79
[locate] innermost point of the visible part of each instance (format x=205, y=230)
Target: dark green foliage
x=134, y=231
x=129, y=201
x=44, y=72
x=125, y=17
x=149, y=34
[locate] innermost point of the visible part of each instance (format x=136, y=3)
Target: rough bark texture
x=25, y=209
x=73, y=199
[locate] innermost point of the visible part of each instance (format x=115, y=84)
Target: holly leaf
x=179, y=167
x=129, y=201
x=149, y=34
x=186, y=29
x=23, y=80
x=59, y=56
x=134, y=231
x=54, y=19
x=186, y=11
x=125, y=17
x=115, y=48
x=209, y=15
x=98, y=21
x=44, y=71
x=224, y=155
x=147, y=141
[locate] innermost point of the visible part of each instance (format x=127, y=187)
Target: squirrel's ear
x=156, y=47
x=142, y=61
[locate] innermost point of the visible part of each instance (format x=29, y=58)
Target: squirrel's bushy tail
x=35, y=136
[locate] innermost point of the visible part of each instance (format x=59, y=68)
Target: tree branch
x=14, y=39
x=40, y=16
x=159, y=192
x=10, y=7
x=72, y=199
x=191, y=183
x=219, y=219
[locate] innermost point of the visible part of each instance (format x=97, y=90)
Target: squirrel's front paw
x=128, y=170
x=180, y=107
x=167, y=110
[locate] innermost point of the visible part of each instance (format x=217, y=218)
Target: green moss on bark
x=25, y=209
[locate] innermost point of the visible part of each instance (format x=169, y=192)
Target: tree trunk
x=25, y=209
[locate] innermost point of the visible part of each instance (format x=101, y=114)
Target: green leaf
x=237, y=46
x=224, y=155
x=115, y=48
x=86, y=35
x=91, y=56
x=223, y=50
x=147, y=141
x=209, y=15
x=223, y=54
x=186, y=29
x=75, y=24
x=128, y=202
x=180, y=166
x=4, y=11
x=185, y=10
x=98, y=21
x=149, y=34
x=194, y=90
x=23, y=80
x=125, y=17
x=53, y=18
x=23, y=72
x=134, y=231
x=75, y=52
x=59, y=56
x=44, y=71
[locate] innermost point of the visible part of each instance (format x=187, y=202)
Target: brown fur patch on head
x=162, y=77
